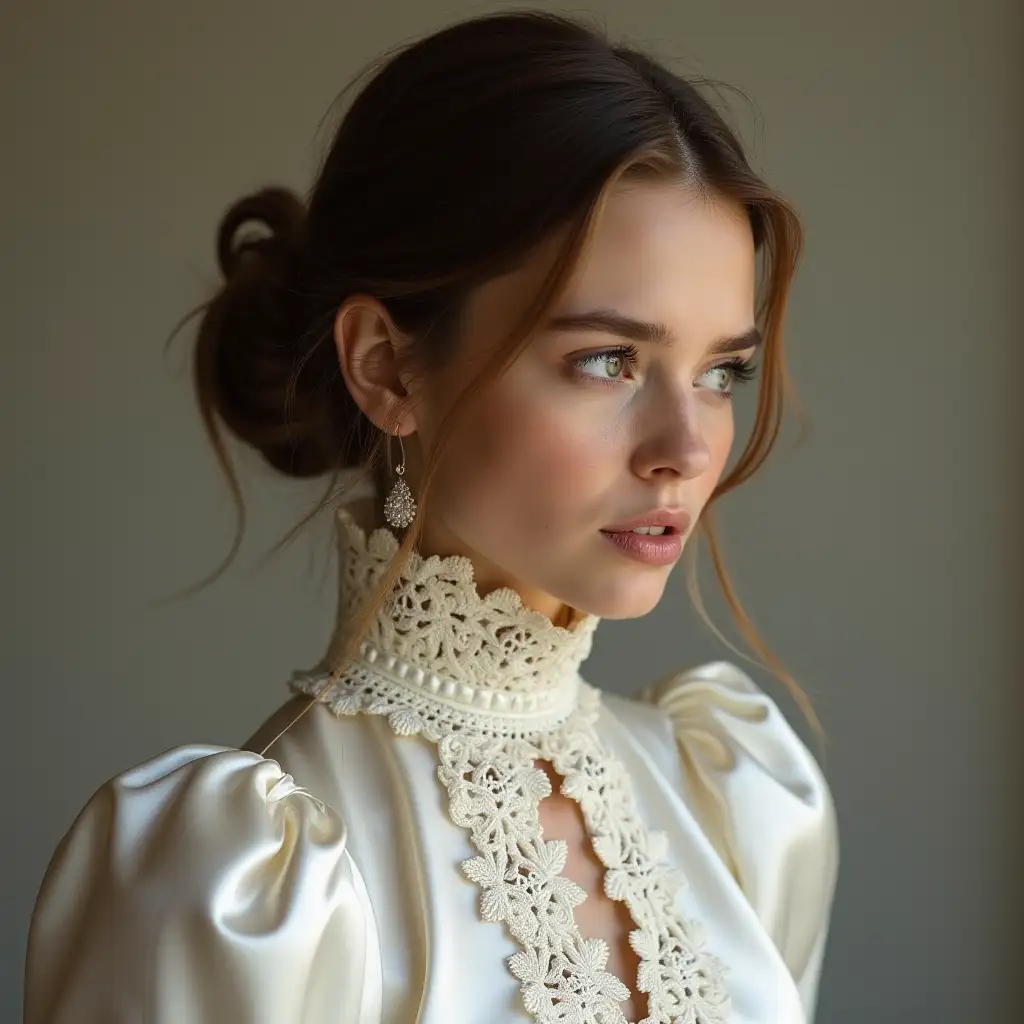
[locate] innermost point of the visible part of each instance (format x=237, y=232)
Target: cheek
x=718, y=436
x=531, y=449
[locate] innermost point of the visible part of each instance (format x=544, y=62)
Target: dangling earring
x=400, y=508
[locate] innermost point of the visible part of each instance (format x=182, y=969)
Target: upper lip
x=676, y=519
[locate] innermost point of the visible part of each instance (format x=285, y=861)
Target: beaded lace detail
x=424, y=669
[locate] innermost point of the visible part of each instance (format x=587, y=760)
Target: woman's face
x=589, y=428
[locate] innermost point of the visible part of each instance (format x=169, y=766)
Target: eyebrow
x=609, y=321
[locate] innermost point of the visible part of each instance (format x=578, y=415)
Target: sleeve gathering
x=203, y=886
x=764, y=803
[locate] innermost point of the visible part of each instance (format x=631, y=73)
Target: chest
x=598, y=916
x=563, y=873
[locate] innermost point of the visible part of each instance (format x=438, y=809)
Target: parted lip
x=677, y=520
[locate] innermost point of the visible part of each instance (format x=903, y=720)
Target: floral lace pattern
x=493, y=637
x=488, y=764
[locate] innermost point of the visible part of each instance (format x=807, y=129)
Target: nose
x=675, y=444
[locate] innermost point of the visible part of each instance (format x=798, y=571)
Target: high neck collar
x=437, y=638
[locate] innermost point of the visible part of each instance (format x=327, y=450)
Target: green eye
x=735, y=370
x=623, y=359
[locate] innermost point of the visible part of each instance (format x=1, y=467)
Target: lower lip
x=660, y=549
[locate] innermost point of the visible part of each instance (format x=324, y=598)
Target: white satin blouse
x=384, y=863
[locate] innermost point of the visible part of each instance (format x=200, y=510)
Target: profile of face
x=619, y=406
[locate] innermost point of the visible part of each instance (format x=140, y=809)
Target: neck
x=436, y=539
x=437, y=630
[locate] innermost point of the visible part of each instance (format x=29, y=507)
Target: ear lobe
x=368, y=343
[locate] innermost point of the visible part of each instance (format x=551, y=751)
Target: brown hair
x=463, y=152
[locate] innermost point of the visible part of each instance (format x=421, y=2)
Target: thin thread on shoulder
x=314, y=698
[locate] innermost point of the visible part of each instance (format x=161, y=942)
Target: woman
x=534, y=253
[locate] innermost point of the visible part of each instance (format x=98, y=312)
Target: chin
x=632, y=595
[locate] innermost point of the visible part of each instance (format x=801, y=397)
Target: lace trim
x=437, y=619
x=419, y=703
x=495, y=790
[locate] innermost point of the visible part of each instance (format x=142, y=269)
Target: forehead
x=659, y=251
x=663, y=251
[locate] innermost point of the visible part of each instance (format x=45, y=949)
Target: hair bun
x=282, y=213
x=248, y=364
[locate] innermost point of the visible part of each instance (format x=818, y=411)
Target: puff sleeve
x=203, y=886
x=764, y=803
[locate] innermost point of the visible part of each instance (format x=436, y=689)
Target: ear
x=369, y=346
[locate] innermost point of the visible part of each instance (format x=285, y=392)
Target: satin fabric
x=207, y=886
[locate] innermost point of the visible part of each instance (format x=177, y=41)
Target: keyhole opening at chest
x=599, y=916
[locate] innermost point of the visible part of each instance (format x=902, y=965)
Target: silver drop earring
x=400, y=507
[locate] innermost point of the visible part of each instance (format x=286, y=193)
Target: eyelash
x=629, y=353
x=742, y=370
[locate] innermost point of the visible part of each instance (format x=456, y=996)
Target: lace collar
x=488, y=661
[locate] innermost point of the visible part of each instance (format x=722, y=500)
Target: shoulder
x=738, y=746
x=234, y=786
x=723, y=718
x=189, y=812
x=206, y=865
x=761, y=797
x=174, y=828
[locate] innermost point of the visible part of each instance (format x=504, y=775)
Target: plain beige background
x=881, y=558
